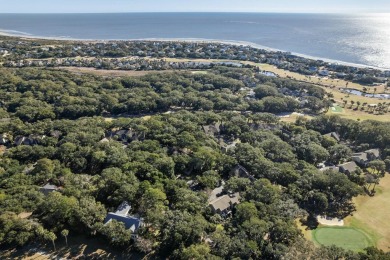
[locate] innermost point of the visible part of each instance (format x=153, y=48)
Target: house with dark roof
x=125, y=135
x=334, y=135
x=48, y=188
x=121, y=214
x=364, y=158
x=241, y=172
x=348, y=168
x=223, y=205
x=30, y=140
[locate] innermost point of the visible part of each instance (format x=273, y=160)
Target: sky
x=103, y=6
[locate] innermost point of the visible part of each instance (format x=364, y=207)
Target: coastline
x=24, y=35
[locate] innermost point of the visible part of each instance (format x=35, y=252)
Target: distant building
x=132, y=223
x=324, y=73
x=125, y=135
x=360, y=158
x=373, y=154
x=348, y=168
x=48, y=188
x=241, y=172
x=212, y=130
x=334, y=135
x=223, y=205
x=364, y=158
x=29, y=140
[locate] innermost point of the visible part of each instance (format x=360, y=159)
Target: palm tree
x=52, y=237
x=65, y=234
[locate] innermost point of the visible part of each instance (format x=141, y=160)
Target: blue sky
x=92, y=6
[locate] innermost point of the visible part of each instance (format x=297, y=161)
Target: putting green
x=336, y=109
x=344, y=237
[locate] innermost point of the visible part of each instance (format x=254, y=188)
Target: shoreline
x=23, y=35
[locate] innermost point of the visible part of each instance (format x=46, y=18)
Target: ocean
x=358, y=39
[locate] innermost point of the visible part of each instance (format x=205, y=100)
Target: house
x=125, y=135
x=373, y=154
x=241, y=172
x=361, y=159
x=324, y=73
x=364, y=158
x=30, y=140
x=48, y=188
x=212, y=130
x=223, y=205
x=121, y=214
x=348, y=168
x=334, y=135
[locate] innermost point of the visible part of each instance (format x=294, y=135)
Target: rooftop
x=224, y=202
x=349, y=166
x=130, y=222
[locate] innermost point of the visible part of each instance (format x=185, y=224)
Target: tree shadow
x=79, y=247
x=310, y=222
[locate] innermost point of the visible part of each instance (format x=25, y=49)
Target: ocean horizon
x=352, y=39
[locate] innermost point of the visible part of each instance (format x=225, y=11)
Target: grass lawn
x=336, y=109
x=368, y=226
x=293, y=117
x=372, y=214
x=357, y=114
x=346, y=237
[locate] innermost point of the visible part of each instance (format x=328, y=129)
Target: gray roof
x=374, y=152
x=359, y=156
x=241, y=172
x=132, y=223
x=349, y=166
x=212, y=129
x=334, y=135
x=49, y=186
x=123, y=209
x=334, y=168
x=224, y=202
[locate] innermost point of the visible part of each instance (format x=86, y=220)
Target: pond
x=360, y=93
